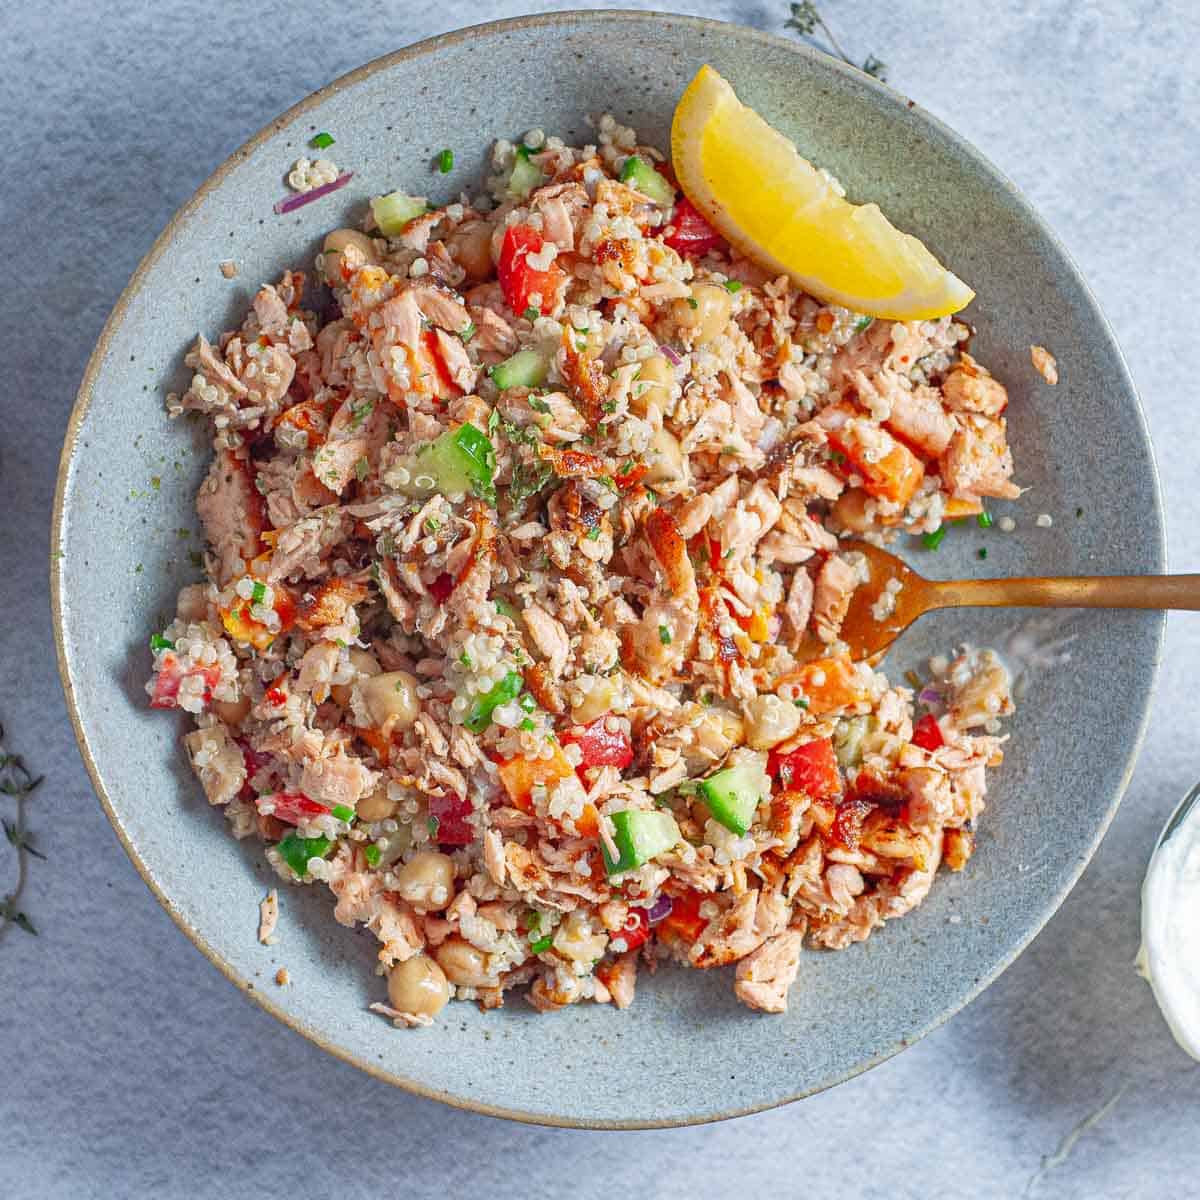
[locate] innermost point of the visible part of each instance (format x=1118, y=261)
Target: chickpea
x=376, y=806
x=706, y=313
x=365, y=663
x=470, y=245
x=464, y=964
x=850, y=511
x=418, y=986
x=335, y=243
x=391, y=699
x=427, y=880
x=769, y=721
x=232, y=712
x=652, y=385
x=664, y=458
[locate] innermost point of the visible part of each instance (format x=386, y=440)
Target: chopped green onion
x=863, y=323
x=322, y=141
x=664, y=635
x=542, y=944
x=296, y=851
x=465, y=659
x=527, y=725
x=523, y=152
x=733, y=286
x=479, y=716
x=800, y=703
x=593, y=535
x=981, y=552
x=343, y=812
x=531, y=313
x=160, y=643
x=371, y=854
x=932, y=541
x=984, y=520
x=693, y=302
x=527, y=702
x=505, y=609
x=533, y=921
x=258, y=593
x=445, y=161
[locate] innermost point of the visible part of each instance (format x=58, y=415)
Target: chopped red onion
x=659, y=910
x=670, y=355
x=291, y=203
x=930, y=696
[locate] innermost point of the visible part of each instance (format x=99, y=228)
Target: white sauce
x=1170, y=954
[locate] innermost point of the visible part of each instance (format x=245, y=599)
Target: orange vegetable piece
x=684, y=920
x=829, y=684
x=520, y=775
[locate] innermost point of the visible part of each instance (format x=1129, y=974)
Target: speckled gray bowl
x=686, y=1052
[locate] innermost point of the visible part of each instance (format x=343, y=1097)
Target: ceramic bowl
x=687, y=1051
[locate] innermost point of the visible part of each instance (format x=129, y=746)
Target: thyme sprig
x=806, y=20
x=17, y=783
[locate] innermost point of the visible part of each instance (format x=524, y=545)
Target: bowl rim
x=82, y=404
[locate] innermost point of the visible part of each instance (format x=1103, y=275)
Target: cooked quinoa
x=520, y=625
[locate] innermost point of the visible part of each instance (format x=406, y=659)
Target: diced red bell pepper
x=811, y=768
x=290, y=807
x=451, y=813
x=170, y=676
x=693, y=235
x=518, y=280
x=441, y=587
x=684, y=920
x=928, y=733
x=599, y=746
x=636, y=929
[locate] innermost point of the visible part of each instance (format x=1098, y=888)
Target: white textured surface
x=131, y=1068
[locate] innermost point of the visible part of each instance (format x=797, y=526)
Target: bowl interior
x=125, y=531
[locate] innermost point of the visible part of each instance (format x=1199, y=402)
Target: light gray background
x=129, y=1067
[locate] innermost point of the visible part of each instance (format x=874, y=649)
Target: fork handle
x=1092, y=591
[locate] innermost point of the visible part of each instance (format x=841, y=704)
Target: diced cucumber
x=462, y=460
x=395, y=210
x=848, y=739
x=296, y=851
x=641, y=175
x=525, y=176
x=479, y=716
x=733, y=795
x=639, y=836
x=526, y=368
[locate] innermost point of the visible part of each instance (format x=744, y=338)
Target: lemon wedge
x=778, y=209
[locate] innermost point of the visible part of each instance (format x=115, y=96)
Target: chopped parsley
x=984, y=520
x=258, y=593
x=664, y=635
x=371, y=854
x=531, y=314
x=931, y=541
x=863, y=323
x=538, y=404
x=322, y=141
x=693, y=302
x=800, y=702
x=527, y=480
x=360, y=412
x=465, y=659
x=445, y=161
x=527, y=725
x=160, y=643
x=981, y=552
x=593, y=535
x=732, y=286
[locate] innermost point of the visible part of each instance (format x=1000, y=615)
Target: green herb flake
x=322, y=141
x=693, y=302
x=664, y=635
x=593, y=535
x=155, y=482
x=538, y=404
x=981, y=552
x=432, y=825
x=360, y=412
x=493, y=421
x=467, y=332
x=800, y=702
x=160, y=643
x=984, y=520
x=362, y=468
x=531, y=314
x=343, y=812
x=445, y=161
x=258, y=593
x=527, y=702
x=931, y=541
x=542, y=944
x=863, y=323
x=371, y=854
x=733, y=286
x=527, y=725
x=465, y=659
